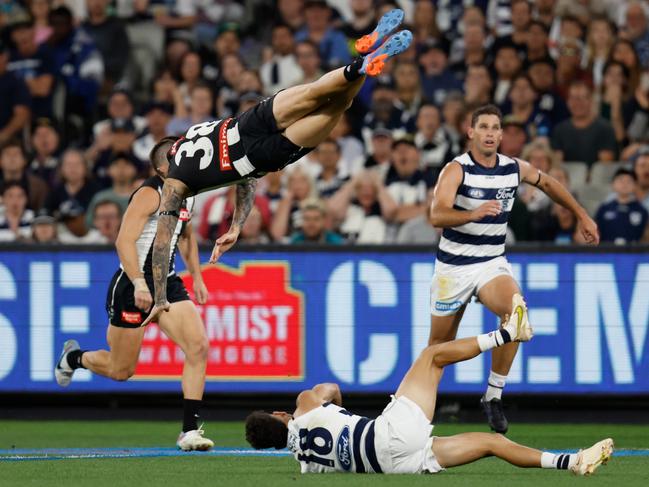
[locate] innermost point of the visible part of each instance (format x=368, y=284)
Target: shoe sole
x=374, y=62
x=388, y=24
x=202, y=447
x=605, y=455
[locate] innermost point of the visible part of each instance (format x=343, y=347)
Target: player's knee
x=198, y=349
x=430, y=353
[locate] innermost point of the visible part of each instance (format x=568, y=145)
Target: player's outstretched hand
x=587, y=228
x=223, y=244
x=157, y=310
x=200, y=291
x=488, y=208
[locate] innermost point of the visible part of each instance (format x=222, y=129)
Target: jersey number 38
x=192, y=145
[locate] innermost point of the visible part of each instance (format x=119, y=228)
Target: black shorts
x=265, y=146
x=120, y=302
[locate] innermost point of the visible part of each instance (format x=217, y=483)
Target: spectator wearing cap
x=521, y=15
x=314, y=225
x=308, y=59
x=158, y=115
x=434, y=144
x=636, y=29
x=122, y=172
x=522, y=106
x=379, y=154
x=110, y=37
x=542, y=74
x=331, y=176
x=15, y=102
x=44, y=230
x=46, y=143
x=362, y=207
x=514, y=137
x=623, y=220
x=33, y=63
x=106, y=219
x=16, y=219
x=507, y=64
x=331, y=43
x=281, y=70
x=437, y=79
x=584, y=137
x=200, y=110
x=71, y=197
x=77, y=62
x=406, y=183
x=13, y=167
x=641, y=169
x=121, y=139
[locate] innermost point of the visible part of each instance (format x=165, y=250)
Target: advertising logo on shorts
x=254, y=322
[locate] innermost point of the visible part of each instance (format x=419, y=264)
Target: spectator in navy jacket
x=15, y=100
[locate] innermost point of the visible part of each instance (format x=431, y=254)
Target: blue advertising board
x=365, y=317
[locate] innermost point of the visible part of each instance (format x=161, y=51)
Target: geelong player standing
x=129, y=298
x=473, y=198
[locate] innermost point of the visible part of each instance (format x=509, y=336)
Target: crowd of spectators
x=87, y=87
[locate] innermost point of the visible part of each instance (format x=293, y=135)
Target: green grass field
x=628, y=471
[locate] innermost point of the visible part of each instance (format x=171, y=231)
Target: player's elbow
x=434, y=217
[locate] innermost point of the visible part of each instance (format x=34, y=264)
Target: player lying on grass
x=274, y=133
x=129, y=298
x=324, y=437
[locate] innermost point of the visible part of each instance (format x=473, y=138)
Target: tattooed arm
x=243, y=204
x=173, y=193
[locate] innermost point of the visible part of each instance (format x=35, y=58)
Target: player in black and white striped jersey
x=129, y=298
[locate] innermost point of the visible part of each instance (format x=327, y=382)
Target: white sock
x=493, y=339
x=495, y=386
x=558, y=461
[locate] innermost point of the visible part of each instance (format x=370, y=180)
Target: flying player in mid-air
x=325, y=438
x=274, y=133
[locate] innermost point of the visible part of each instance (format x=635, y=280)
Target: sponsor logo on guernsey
x=224, y=150
x=447, y=306
x=505, y=193
x=476, y=193
x=174, y=147
x=184, y=215
x=343, y=450
x=133, y=317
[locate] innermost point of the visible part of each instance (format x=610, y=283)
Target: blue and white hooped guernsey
x=485, y=239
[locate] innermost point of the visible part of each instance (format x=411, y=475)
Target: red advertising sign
x=254, y=323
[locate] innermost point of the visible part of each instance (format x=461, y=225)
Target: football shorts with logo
x=453, y=286
x=120, y=302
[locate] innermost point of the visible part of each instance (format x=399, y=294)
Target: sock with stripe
x=561, y=461
x=493, y=339
x=495, y=386
x=74, y=359
x=351, y=71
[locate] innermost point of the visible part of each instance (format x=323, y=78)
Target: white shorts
x=403, y=439
x=454, y=285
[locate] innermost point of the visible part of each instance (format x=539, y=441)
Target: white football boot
x=194, y=441
x=589, y=459
x=62, y=371
x=518, y=325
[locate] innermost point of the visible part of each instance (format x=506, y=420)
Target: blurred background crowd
x=87, y=87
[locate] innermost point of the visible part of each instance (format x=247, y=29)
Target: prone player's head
x=265, y=430
x=486, y=131
x=160, y=156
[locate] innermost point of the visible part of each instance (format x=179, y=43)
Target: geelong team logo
x=254, y=322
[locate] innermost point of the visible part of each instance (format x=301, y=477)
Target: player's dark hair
x=158, y=155
x=265, y=431
x=486, y=110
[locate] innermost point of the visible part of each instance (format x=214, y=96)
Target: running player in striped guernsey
x=473, y=198
x=129, y=298
x=276, y=132
x=326, y=438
